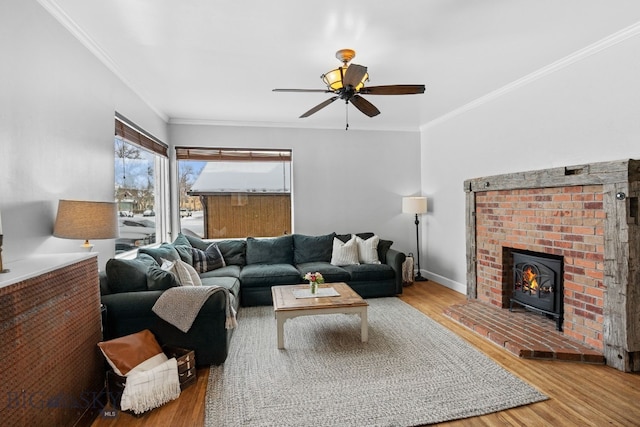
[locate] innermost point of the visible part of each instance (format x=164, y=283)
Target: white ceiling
x=218, y=61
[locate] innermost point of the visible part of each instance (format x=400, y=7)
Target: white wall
x=57, y=103
x=586, y=112
x=57, y=107
x=56, y=141
x=343, y=181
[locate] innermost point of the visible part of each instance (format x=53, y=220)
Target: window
x=231, y=193
x=140, y=190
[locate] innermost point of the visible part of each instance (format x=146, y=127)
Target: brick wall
x=565, y=221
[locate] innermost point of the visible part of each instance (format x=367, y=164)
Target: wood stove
x=537, y=284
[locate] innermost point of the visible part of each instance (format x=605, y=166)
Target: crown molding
x=612, y=40
x=289, y=125
x=65, y=20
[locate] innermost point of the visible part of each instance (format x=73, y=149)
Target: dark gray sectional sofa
x=129, y=288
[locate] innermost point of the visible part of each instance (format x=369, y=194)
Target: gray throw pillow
x=207, y=260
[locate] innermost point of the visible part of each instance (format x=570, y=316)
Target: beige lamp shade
x=86, y=220
x=414, y=205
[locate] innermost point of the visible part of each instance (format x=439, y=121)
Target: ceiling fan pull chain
x=346, y=110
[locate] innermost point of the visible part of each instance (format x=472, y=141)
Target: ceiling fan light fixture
x=347, y=83
x=333, y=79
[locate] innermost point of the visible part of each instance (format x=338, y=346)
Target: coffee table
x=287, y=306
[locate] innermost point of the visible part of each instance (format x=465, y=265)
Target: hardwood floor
x=579, y=394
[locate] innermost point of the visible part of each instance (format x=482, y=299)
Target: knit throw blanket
x=181, y=304
x=149, y=389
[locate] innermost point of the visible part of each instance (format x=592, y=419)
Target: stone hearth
x=586, y=214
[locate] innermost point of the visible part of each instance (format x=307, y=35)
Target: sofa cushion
x=104, y=285
x=273, y=250
x=231, y=283
x=197, y=242
x=207, y=260
x=312, y=248
x=159, y=279
x=128, y=275
x=331, y=273
x=233, y=251
x=344, y=238
x=183, y=247
x=164, y=251
x=344, y=253
x=181, y=240
x=228, y=271
x=383, y=248
x=264, y=275
x=370, y=272
x=184, y=252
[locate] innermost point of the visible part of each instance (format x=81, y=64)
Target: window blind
x=131, y=133
x=226, y=154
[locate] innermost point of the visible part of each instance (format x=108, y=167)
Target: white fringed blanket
x=145, y=390
x=180, y=305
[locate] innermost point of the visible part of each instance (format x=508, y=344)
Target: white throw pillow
x=368, y=250
x=186, y=274
x=345, y=253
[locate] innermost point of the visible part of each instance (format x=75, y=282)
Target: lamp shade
x=333, y=79
x=86, y=220
x=414, y=205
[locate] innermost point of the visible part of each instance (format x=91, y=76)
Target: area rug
x=413, y=371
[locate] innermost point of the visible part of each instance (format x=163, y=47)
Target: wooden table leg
x=364, y=325
x=280, y=319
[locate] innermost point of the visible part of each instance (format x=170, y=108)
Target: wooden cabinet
x=52, y=371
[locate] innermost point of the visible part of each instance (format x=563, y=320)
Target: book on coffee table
x=321, y=292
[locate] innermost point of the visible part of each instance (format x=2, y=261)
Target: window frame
x=136, y=136
x=239, y=154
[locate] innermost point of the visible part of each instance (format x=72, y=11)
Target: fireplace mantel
x=619, y=182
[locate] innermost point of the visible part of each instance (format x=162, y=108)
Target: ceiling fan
x=348, y=83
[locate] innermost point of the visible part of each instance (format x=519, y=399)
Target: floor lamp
x=417, y=206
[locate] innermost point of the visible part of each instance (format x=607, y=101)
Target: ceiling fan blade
x=365, y=106
x=393, y=90
x=302, y=90
x=319, y=107
x=354, y=75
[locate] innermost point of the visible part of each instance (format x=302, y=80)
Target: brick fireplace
x=585, y=215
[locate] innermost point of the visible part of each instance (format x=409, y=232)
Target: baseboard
x=458, y=287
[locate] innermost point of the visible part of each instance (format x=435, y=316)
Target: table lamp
x=85, y=220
